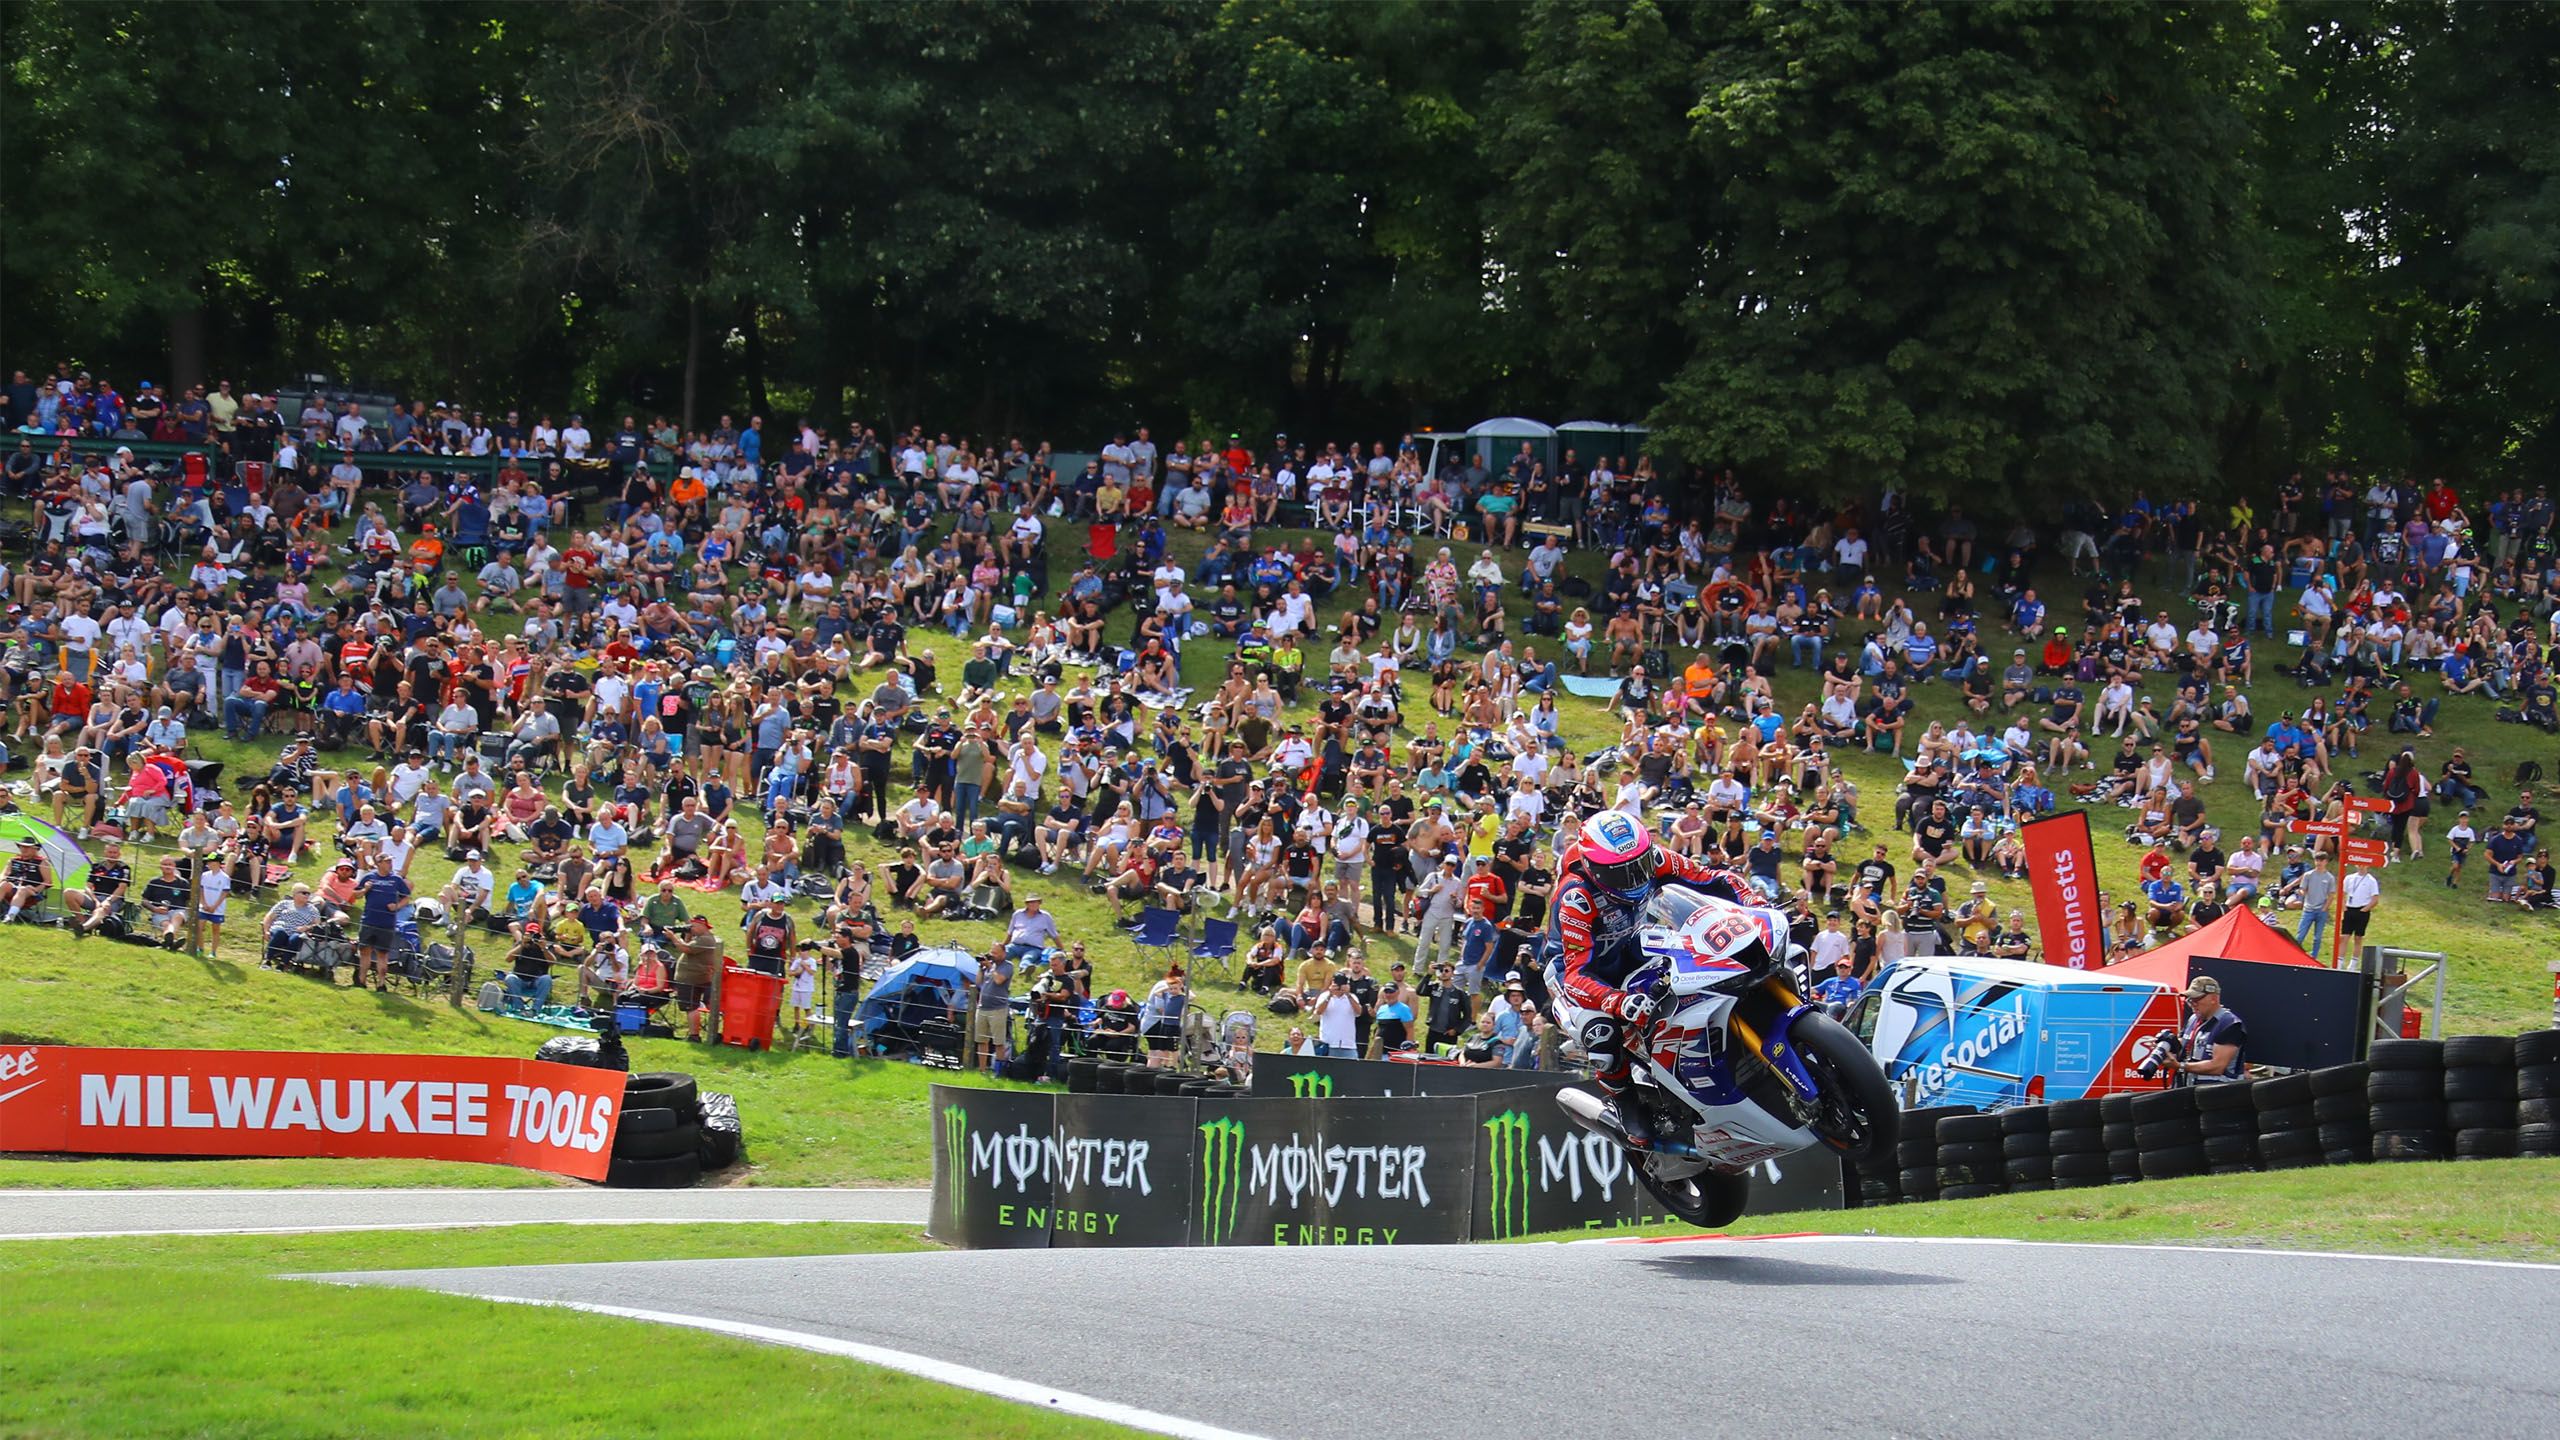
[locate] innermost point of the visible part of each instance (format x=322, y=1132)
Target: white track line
x=2217, y=1250
x=922, y=1366
x=444, y=1225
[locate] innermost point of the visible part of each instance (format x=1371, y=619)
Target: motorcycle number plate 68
x=1727, y=933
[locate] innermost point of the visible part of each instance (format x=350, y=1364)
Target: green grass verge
x=2490, y=1209
x=197, y=1337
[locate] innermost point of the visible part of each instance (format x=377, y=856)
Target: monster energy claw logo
x=955, y=1144
x=1311, y=1085
x=1507, y=1171
x=1221, y=1177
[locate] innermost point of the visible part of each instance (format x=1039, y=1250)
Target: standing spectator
x=2362, y=893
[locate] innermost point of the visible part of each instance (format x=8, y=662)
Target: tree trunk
x=692, y=358
x=186, y=348
x=756, y=401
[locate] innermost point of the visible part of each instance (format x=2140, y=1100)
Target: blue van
x=1975, y=1031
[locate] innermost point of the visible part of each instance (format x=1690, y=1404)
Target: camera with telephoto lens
x=2163, y=1056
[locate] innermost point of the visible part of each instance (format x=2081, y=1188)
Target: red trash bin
x=750, y=1005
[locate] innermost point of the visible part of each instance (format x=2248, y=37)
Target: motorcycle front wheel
x=1707, y=1200
x=1858, y=1115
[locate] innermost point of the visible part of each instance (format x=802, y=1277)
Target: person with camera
x=2209, y=1045
x=1337, y=1014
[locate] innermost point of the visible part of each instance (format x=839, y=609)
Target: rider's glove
x=1633, y=1006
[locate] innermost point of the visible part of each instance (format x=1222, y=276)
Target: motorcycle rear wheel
x=1859, y=1116
x=1707, y=1200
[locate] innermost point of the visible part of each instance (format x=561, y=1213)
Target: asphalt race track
x=1843, y=1335
x=73, y=1214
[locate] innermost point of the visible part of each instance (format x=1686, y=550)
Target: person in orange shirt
x=427, y=551
x=1699, y=680
x=688, y=489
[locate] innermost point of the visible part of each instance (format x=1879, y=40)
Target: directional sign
x=2332, y=828
x=2367, y=805
x=2367, y=852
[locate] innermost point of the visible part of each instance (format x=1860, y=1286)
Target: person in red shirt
x=2441, y=501
x=70, y=701
x=1239, y=459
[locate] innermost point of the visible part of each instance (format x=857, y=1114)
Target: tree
x=1971, y=249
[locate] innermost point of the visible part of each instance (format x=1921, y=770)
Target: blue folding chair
x=1157, y=929
x=1217, y=942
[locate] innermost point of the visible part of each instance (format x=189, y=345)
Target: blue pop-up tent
x=929, y=984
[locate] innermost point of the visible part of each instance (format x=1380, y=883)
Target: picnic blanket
x=1591, y=687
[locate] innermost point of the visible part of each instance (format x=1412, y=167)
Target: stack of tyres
x=2480, y=1095
x=2076, y=1141
x=2288, y=1130
x=2338, y=1109
x=2404, y=1098
x=1110, y=1078
x=2115, y=1131
x=1917, y=1150
x=657, y=1142
x=1082, y=1072
x=2537, y=1086
x=2026, y=1158
x=1969, y=1157
x=2165, y=1134
x=2228, y=1121
x=1871, y=1186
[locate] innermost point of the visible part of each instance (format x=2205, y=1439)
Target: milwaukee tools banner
x=2065, y=871
x=236, y=1103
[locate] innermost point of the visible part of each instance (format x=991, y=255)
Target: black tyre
x=670, y=1089
x=2078, y=1140
x=2165, y=1135
x=646, y=1120
x=2474, y=1083
x=2396, y=1145
x=2280, y=1092
x=1919, y=1184
x=2293, y=1145
x=1968, y=1192
x=2337, y=1109
x=2488, y=1143
x=2116, y=1110
x=1873, y=1193
x=2292, y=1117
x=2334, y=1138
x=684, y=1139
x=2118, y=1134
x=1971, y=1152
x=2023, y=1147
x=2020, y=1173
x=1858, y=1116
x=2339, y=1080
x=2079, y=1182
x=2480, y=1115
x=2537, y=1082
x=1111, y=1079
x=1707, y=1200
x=2537, y=1048
x=2124, y=1166
x=672, y=1173
x=2231, y=1150
x=2022, y=1186
x=2481, y=1051
x=2223, y=1096
x=2172, y=1163
x=1956, y=1129
x=2072, y=1114
x=2025, y=1120
x=2533, y=1112
x=2538, y=1141
x=2159, y=1105
x=1082, y=1075
x=2402, y=1086
x=2406, y=1055
x=1955, y=1175
x=2404, y=1117
x=2227, y=1122
x=2079, y=1167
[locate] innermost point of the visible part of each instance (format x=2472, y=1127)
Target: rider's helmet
x=1617, y=854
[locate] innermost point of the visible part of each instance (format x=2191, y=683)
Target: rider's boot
x=1628, y=1111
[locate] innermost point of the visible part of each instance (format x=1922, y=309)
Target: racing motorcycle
x=1736, y=1067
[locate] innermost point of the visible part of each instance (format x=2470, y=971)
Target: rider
x=1604, y=878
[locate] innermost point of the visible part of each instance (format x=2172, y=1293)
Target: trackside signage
x=528, y=1113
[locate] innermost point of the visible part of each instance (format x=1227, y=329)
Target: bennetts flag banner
x=2065, y=871
x=65, y=1099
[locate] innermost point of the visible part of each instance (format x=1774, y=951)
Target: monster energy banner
x=1313, y=1077
x=1333, y=1172
x=995, y=1160
x=1124, y=1171
x=1013, y=1169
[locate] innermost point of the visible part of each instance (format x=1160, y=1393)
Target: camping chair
x=1218, y=942
x=1157, y=929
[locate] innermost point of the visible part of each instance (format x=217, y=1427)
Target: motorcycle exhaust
x=1585, y=1108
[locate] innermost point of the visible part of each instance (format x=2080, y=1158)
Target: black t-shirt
x=1934, y=833
x=1877, y=872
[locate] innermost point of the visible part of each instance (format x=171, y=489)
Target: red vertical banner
x=2064, y=868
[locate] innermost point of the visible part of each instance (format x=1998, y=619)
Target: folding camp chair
x=1218, y=942
x=1157, y=929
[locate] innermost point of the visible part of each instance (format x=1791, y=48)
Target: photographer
x=2210, y=1044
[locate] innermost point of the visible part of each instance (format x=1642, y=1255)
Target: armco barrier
x=1014, y=1169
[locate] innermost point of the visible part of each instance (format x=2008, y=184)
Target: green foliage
x=1994, y=249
